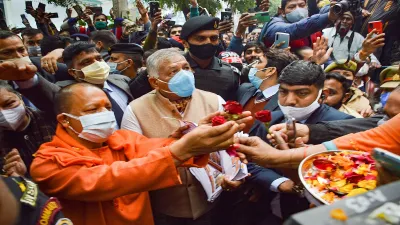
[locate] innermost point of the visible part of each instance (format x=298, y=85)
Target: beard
x=343, y=30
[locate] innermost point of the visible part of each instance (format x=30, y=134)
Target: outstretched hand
x=18, y=70
x=321, y=52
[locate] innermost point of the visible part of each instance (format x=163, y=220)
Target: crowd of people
x=112, y=124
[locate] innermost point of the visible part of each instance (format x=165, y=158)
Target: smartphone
x=53, y=15
x=226, y=16
x=291, y=129
x=154, y=7
x=280, y=37
x=95, y=10
x=375, y=25
x=78, y=10
x=388, y=160
x=170, y=23
x=203, y=12
x=262, y=17
x=28, y=4
x=42, y=7
x=24, y=19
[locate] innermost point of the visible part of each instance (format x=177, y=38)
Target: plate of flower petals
x=335, y=175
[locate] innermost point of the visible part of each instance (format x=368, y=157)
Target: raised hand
x=371, y=43
x=49, y=62
x=14, y=166
x=156, y=20
x=264, y=6
x=18, y=70
x=225, y=26
x=246, y=20
x=321, y=53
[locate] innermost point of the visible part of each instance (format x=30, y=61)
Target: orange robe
x=386, y=136
x=108, y=185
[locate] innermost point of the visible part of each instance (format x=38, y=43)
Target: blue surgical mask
x=297, y=15
x=256, y=81
x=384, y=98
x=182, y=84
x=113, y=67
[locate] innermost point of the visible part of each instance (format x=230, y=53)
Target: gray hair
x=154, y=62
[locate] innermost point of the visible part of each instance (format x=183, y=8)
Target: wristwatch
x=299, y=190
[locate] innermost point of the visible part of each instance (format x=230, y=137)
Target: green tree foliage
x=213, y=6
x=64, y=3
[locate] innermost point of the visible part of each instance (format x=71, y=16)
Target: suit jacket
x=42, y=94
x=262, y=177
x=246, y=91
x=323, y=113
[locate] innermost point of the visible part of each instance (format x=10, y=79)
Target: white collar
x=269, y=92
x=107, y=87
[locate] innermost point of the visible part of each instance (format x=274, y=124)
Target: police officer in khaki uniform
x=200, y=36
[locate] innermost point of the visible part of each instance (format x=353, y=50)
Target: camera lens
x=337, y=8
x=341, y=7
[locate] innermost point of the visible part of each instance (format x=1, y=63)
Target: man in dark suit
x=261, y=92
x=84, y=64
x=12, y=48
x=300, y=90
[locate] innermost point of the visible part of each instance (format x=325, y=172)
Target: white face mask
x=97, y=127
x=11, y=119
x=302, y=113
x=96, y=73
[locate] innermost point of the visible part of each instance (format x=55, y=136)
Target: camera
x=347, y=5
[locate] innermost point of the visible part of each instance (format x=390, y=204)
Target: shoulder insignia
x=64, y=221
x=215, y=25
x=30, y=195
x=49, y=210
x=396, y=77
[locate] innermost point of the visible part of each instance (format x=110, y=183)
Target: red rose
x=218, y=120
x=233, y=107
x=231, y=150
x=263, y=116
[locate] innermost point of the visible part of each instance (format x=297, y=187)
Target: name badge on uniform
x=30, y=194
x=49, y=211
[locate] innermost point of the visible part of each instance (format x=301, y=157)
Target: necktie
x=259, y=98
x=119, y=113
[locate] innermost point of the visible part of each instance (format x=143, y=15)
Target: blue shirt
x=116, y=94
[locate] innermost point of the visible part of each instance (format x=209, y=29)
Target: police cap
x=197, y=24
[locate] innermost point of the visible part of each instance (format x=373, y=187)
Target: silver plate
x=304, y=166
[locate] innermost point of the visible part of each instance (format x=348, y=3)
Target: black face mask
x=203, y=51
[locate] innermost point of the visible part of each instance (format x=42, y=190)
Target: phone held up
x=154, y=8
x=282, y=37
x=377, y=25
x=226, y=15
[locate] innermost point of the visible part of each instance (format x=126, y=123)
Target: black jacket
x=326, y=131
x=323, y=113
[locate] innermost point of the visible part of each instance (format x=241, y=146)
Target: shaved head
x=66, y=98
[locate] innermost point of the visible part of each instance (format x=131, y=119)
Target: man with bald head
x=97, y=172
